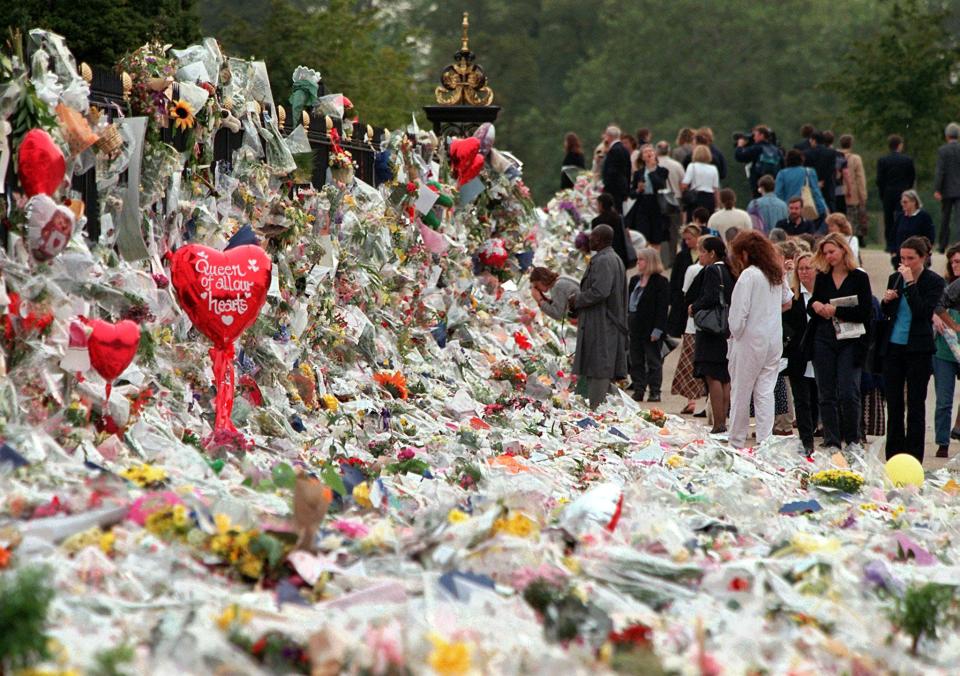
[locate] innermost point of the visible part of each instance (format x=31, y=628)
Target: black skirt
x=710, y=357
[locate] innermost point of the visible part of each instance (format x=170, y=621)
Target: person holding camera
x=760, y=152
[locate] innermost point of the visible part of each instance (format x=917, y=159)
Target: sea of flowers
x=413, y=486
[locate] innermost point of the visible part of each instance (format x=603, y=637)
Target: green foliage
x=921, y=610
x=101, y=31
x=900, y=78
x=24, y=601
x=284, y=476
x=110, y=662
x=350, y=45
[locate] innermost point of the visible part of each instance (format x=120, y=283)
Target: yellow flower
x=329, y=402
x=456, y=516
x=180, y=517
x=675, y=461
x=517, y=524
x=106, y=542
x=571, y=564
x=182, y=114
x=222, y=522
x=450, y=658
x=233, y=613
x=144, y=475
x=251, y=566
x=361, y=494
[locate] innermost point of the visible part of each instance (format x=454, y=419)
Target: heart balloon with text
x=221, y=291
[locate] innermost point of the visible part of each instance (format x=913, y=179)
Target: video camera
x=748, y=135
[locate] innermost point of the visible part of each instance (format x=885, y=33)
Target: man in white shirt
x=729, y=216
x=674, y=179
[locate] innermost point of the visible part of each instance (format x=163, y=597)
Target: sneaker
x=943, y=452
x=808, y=450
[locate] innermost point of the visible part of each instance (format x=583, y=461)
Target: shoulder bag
x=809, y=209
x=714, y=320
x=689, y=196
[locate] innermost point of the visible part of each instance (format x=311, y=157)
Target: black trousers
x=891, y=209
x=912, y=369
x=646, y=365
x=806, y=407
x=947, y=206
x=838, y=385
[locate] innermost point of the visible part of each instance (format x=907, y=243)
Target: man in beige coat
x=855, y=189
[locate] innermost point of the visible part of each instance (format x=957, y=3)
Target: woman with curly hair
x=756, y=333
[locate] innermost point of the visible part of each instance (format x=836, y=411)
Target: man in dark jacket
x=762, y=155
x=946, y=182
x=616, y=168
x=795, y=224
x=823, y=160
x=895, y=173
x=601, y=308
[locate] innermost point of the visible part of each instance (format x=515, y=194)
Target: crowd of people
x=774, y=316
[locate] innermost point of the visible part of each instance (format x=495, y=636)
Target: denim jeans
x=838, y=386
x=944, y=379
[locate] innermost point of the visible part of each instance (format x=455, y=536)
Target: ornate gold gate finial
x=463, y=82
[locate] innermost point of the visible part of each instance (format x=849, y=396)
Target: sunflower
x=182, y=114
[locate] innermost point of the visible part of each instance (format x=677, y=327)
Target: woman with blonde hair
x=840, y=310
x=647, y=305
x=702, y=180
x=803, y=384
x=837, y=222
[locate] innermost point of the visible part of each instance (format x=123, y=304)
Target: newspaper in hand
x=847, y=330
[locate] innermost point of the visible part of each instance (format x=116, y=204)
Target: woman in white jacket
x=756, y=333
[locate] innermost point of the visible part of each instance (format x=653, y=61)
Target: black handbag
x=714, y=320
x=667, y=202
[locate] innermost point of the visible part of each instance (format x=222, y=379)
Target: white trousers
x=753, y=372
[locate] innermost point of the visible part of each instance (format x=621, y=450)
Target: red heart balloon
x=112, y=346
x=221, y=291
x=40, y=164
x=465, y=159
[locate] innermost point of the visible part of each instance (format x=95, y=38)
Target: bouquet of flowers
x=510, y=373
x=840, y=479
x=341, y=158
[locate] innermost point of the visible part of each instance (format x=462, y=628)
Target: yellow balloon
x=904, y=469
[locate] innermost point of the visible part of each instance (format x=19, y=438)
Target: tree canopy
x=101, y=31
x=873, y=67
